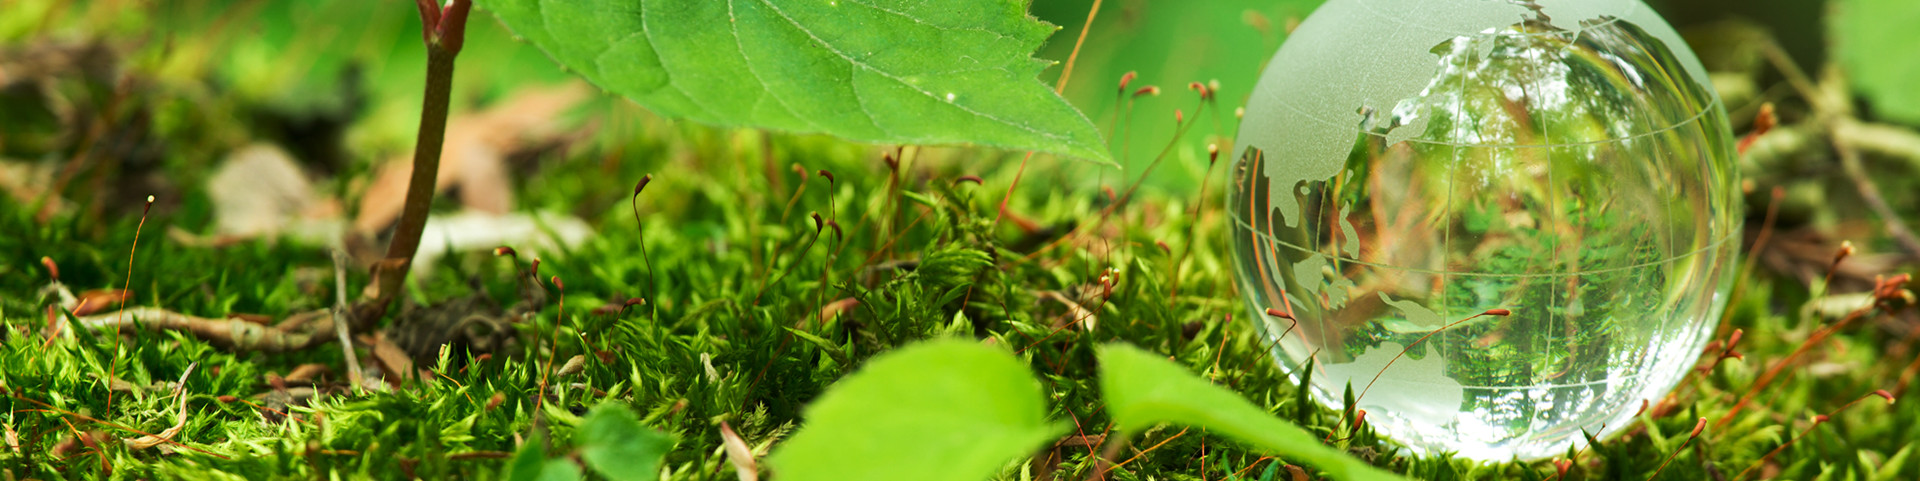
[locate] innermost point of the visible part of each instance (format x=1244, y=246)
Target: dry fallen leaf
x=474, y=156
x=305, y=373
x=257, y=190
x=99, y=300
x=738, y=454
x=395, y=366
x=180, y=418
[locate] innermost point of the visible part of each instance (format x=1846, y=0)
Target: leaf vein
x=733, y=26
x=861, y=100
x=929, y=24
x=647, y=30
x=857, y=63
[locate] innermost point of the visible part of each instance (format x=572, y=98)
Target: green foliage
x=609, y=440
x=717, y=240
x=1864, y=31
x=1143, y=389
x=942, y=410
x=726, y=342
x=528, y=464
x=1159, y=40
x=322, y=60
x=883, y=71
x=617, y=446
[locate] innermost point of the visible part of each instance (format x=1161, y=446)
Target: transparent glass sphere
x=1405, y=165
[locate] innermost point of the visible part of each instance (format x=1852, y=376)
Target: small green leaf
x=1863, y=31
x=615, y=444
x=559, y=470
x=529, y=464
x=1143, y=390
x=940, y=410
x=885, y=71
x=525, y=465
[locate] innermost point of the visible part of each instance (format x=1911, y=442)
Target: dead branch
x=299, y=331
x=1843, y=128
x=341, y=326
x=1897, y=228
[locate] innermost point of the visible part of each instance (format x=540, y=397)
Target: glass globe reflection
x=1407, y=164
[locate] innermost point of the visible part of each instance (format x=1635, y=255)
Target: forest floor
x=770, y=265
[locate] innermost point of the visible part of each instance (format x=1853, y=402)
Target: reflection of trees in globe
x=1561, y=161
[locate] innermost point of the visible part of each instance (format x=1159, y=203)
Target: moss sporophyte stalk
x=1407, y=166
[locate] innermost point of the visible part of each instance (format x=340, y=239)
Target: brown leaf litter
x=474, y=160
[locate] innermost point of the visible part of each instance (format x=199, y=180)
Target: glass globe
x=1408, y=169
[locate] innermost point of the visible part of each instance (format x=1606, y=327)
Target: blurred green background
x=360, y=62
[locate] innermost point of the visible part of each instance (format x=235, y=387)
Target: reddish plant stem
x=1697, y=427
x=1869, y=192
x=1066, y=73
x=131, y=251
x=443, y=31
x=426, y=167
x=1122, y=199
x=1772, y=372
x=103, y=422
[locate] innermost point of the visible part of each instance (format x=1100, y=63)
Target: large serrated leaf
x=1143, y=390
x=941, y=410
x=884, y=71
x=1864, y=31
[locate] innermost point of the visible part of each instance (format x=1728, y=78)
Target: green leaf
x=1168, y=43
x=615, y=444
x=939, y=410
x=1864, y=30
x=1143, y=390
x=884, y=71
x=559, y=470
x=525, y=465
x=529, y=464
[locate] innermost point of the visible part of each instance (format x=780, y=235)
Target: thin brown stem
x=444, y=32
x=1870, y=192
x=426, y=167
x=1066, y=73
x=1767, y=377
x=1795, y=76
x=1123, y=198
x=131, y=251
x=103, y=422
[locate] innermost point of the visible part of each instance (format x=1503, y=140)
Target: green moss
x=735, y=274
